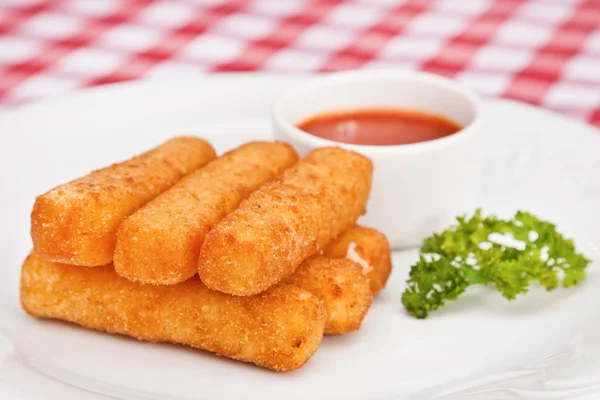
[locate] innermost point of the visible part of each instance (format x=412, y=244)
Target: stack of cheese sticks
x=253, y=255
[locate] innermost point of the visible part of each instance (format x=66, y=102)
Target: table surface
x=544, y=52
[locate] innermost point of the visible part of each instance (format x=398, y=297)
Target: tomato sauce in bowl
x=379, y=127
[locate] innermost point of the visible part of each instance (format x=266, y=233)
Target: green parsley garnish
x=507, y=255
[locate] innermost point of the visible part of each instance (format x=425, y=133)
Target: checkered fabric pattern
x=544, y=52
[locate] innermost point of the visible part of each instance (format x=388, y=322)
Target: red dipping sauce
x=379, y=127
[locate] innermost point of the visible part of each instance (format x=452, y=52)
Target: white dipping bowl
x=418, y=188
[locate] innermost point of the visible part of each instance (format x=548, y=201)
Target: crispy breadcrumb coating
x=369, y=248
x=160, y=243
x=343, y=288
x=279, y=329
x=285, y=222
x=76, y=223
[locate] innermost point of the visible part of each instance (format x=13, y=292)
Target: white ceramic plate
x=542, y=346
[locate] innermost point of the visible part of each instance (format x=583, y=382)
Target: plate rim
x=82, y=94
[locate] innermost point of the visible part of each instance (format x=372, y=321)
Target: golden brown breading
x=279, y=329
x=286, y=221
x=373, y=251
x=76, y=223
x=343, y=288
x=355, y=267
x=159, y=243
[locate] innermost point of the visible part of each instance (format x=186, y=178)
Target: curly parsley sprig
x=475, y=252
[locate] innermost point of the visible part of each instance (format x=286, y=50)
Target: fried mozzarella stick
x=341, y=285
x=76, y=223
x=159, y=243
x=354, y=268
x=367, y=247
x=286, y=221
x=279, y=329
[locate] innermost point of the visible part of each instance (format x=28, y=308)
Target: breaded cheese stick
x=354, y=268
x=159, y=244
x=279, y=329
x=76, y=223
x=367, y=247
x=341, y=285
x=286, y=221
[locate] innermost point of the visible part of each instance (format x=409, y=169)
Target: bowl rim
x=289, y=129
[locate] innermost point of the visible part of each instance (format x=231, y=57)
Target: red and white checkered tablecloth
x=545, y=52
